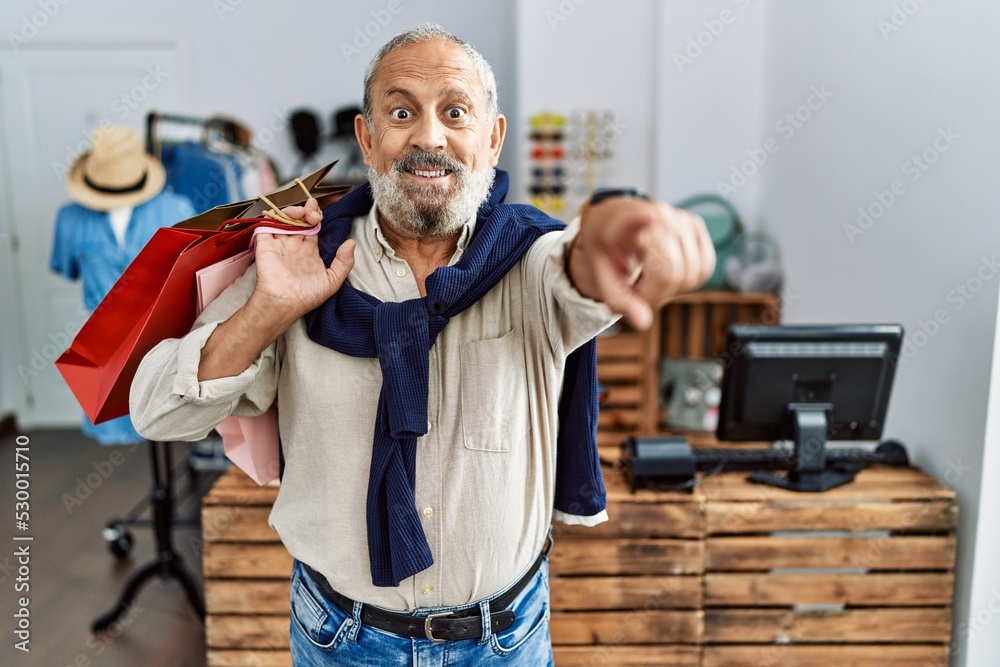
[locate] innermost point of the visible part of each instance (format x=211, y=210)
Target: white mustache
x=414, y=160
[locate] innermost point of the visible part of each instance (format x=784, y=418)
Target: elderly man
x=435, y=316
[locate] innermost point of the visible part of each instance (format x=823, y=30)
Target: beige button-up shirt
x=485, y=471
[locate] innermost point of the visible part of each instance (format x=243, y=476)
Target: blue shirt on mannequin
x=85, y=248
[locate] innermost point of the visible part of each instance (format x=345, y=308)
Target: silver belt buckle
x=427, y=625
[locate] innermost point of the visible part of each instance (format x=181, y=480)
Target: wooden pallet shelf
x=858, y=575
x=729, y=574
x=690, y=326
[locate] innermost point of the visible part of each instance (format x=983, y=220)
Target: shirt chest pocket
x=495, y=414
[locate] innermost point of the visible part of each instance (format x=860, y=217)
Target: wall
x=708, y=83
x=10, y=385
x=984, y=609
x=258, y=60
x=576, y=54
x=671, y=139
x=896, y=93
x=11, y=388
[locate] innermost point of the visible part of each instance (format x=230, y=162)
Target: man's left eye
x=455, y=113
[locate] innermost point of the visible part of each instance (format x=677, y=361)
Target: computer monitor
x=807, y=384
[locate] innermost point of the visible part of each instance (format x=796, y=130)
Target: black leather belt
x=448, y=626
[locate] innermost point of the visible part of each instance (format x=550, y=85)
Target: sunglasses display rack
x=547, y=185
x=569, y=158
x=591, y=133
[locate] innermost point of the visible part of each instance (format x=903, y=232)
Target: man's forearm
x=237, y=342
x=578, y=270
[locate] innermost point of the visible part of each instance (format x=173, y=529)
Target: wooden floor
x=74, y=577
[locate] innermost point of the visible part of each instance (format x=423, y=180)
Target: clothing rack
x=205, y=129
x=234, y=168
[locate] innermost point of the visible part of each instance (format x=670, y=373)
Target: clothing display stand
x=168, y=563
x=119, y=538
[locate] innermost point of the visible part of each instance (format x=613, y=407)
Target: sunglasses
x=546, y=120
x=554, y=152
x=540, y=135
x=548, y=203
x=554, y=172
x=539, y=189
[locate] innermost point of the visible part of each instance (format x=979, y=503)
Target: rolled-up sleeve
x=168, y=402
x=570, y=319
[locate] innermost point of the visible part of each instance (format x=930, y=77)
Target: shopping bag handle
x=274, y=213
x=274, y=217
x=279, y=215
x=238, y=228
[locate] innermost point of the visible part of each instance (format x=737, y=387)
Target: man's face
x=430, y=150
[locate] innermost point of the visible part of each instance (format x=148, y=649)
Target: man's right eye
x=400, y=114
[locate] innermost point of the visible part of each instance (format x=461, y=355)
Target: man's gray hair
x=423, y=33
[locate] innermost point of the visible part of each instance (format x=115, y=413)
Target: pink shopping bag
x=252, y=443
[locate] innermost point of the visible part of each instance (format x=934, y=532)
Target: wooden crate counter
x=860, y=575
x=629, y=591
x=247, y=576
x=630, y=382
x=732, y=574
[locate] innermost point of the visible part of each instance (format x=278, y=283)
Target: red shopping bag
x=156, y=298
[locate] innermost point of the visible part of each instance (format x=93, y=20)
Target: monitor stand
x=809, y=471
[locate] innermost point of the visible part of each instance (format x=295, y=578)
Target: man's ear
x=364, y=135
x=497, y=134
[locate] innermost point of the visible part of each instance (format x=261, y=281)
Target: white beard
x=430, y=211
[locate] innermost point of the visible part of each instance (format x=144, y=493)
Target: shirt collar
x=379, y=246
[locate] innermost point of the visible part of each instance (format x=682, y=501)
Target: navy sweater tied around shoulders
x=357, y=324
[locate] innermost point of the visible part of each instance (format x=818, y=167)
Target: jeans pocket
x=324, y=625
x=532, y=622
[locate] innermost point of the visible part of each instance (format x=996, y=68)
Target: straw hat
x=116, y=172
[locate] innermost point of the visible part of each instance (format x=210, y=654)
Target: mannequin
x=119, y=218
x=119, y=203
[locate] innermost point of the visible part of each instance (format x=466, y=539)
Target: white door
x=52, y=96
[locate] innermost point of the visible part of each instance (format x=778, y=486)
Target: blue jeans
x=322, y=635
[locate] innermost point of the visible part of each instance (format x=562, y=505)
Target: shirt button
x=401, y=273
x=428, y=427
x=428, y=512
x=378, y=253
x=426, y=590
